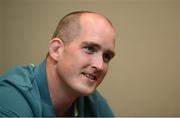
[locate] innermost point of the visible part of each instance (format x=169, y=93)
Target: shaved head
x=70, y=26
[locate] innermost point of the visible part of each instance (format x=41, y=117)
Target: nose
x=98, y=63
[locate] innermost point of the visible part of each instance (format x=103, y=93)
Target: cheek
x=73, y=60
x=105, y=71
x=102, y=77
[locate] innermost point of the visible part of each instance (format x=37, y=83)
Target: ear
x=56, y=46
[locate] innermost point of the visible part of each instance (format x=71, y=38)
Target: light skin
x=78, y=67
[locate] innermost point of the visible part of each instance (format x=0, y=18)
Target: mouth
x=90, y=76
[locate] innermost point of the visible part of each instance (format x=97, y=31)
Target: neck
x=61, y=96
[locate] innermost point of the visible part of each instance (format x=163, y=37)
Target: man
x=65, y=83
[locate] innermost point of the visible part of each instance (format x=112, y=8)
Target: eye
x=89, y=49
x=107, y=57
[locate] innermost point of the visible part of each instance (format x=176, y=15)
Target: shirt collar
x=40, y=77
x=47, y=107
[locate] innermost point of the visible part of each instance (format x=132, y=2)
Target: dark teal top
x=24, y=92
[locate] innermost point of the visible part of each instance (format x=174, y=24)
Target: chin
x=86, y=92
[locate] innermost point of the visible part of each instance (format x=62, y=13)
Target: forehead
x=97, y=20
x=97, y=29
x=102, y=43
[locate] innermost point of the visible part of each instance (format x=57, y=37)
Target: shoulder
x=15, y=87
x=21, y=76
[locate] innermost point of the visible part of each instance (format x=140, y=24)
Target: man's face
x=83, y=63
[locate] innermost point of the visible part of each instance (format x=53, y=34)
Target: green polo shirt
x=24, y=92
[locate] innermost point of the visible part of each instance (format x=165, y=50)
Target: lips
x=90, y=76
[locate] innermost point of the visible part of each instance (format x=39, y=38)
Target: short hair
x=69, y=26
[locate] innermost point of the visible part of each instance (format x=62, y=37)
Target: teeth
x=90, y=76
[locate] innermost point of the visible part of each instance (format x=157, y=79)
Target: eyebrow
x=112, y=53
